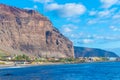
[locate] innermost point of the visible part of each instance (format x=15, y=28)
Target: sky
x=87, y=23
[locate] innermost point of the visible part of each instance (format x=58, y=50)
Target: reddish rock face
x=28, y=32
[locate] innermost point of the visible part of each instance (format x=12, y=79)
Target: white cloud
x=35, y=6
x=92, y=13
x=32, y=8
x=108, y=3
x=53, y=6
x=117, y=15
x=72, y=9
x=28, y=8
x=73, y=19
x=67, y=10
x=43, y=1
x=99, y=13
x=107, y=13
x=92, y=21
x=96, y=39
x=114, y=28
x=68, y=28
x=102, y=16
x=104, y=13
x=97, y=21
x=86, y=41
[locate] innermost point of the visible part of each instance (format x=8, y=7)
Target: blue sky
x=88, y=23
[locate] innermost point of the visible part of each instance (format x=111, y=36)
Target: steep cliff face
x=31, y=33
x=92, y=52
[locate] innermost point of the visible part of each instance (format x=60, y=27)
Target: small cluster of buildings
x=95, y=59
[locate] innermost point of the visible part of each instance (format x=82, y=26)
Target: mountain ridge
x=92, y=52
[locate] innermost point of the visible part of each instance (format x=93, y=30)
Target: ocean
x=84, y=71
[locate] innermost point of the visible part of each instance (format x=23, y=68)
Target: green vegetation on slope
x=22, y=57
x=3, y=53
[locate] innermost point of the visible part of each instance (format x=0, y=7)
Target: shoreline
x=27, y=65
x=30, y=65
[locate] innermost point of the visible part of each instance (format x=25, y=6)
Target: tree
x=22, y=57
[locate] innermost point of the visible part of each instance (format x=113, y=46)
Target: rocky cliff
x=92, y=52
x=28, y=32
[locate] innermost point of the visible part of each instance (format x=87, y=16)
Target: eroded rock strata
x=27, y=31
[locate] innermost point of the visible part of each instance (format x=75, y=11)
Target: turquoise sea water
x=85, y=71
